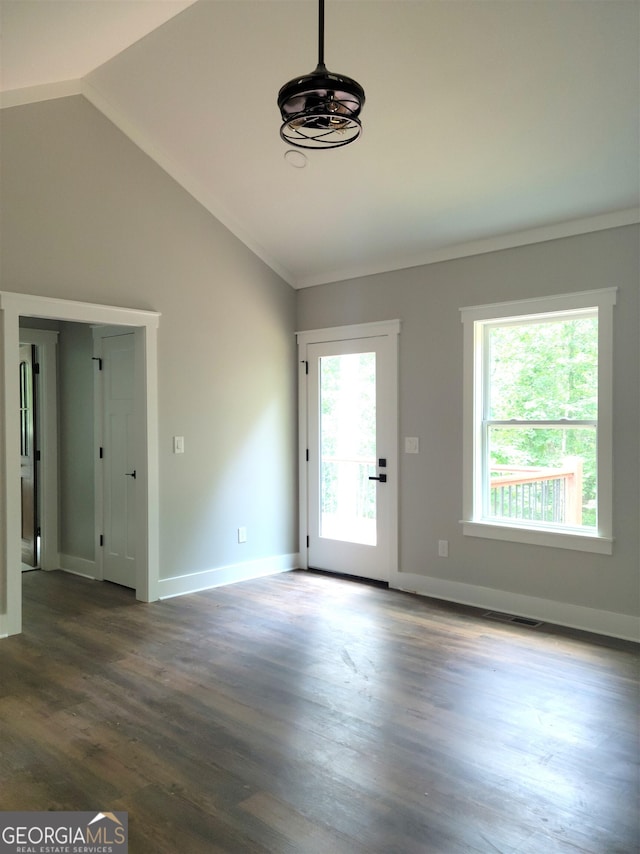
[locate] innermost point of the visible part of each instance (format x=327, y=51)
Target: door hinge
x=36, y=368
x=307, y=540
x=38, y=531
x=37, y=456
x=101, y=452
x=101, y=539
x=306, y=365
x=98, y=360
x=307, y=454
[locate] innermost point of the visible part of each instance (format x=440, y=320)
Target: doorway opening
x=39, y=439
x=29, y=452
x=144, y=325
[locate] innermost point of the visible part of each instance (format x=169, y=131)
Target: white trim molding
x=193, y=185
x=568, y=539
x=78, y=566
x=145, y=325
x=346, y=333
x=307, y=338
x=475, y=520
x=466, y=249
x=43, y=92
x=195, y=582
x=609, y=623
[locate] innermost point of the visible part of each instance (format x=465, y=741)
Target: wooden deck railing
x=540, y=494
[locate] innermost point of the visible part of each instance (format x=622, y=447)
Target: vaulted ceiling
x=486, y=124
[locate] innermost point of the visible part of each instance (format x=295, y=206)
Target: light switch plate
x=178, y=444
x=411, y=445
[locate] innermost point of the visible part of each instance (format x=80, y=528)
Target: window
x=537, y=411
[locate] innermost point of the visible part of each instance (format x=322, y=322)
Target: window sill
x=577, y=541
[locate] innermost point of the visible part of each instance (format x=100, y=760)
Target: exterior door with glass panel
x=352, y=458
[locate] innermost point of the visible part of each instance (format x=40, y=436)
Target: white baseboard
x=78, y=566
x=624, y=626
x=197, y=581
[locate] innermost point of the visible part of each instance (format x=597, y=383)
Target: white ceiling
x=486, y=125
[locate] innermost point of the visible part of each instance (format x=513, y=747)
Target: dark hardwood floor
x=307, y=714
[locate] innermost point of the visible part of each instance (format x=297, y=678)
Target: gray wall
x=427, y=300
x=75, y=439
x=87, y=216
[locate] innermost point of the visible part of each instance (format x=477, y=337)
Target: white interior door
x=351, y=409
x=119, y=467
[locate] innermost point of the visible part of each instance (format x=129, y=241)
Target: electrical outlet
x=443, y=548
x=242, y=535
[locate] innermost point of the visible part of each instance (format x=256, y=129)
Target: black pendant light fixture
x=320, y=109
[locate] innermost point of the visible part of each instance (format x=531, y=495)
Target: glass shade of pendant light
x=320, y=109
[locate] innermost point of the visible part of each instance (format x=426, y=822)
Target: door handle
x=382, y=478
x=131, y=474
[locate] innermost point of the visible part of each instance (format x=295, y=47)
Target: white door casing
x=145, y=326
x=371, y=557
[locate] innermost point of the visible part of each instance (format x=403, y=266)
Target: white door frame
x=347, y=333
x=145, y=326
x=99, y=334
x=46, y=342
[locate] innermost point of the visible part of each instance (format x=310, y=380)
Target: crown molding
x=557, y=231
x=44, y=92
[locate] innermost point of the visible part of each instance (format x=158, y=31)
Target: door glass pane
x=348, y=448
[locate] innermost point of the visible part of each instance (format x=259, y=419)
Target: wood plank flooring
x=308, y=714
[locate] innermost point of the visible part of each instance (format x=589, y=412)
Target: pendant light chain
x=321, y=34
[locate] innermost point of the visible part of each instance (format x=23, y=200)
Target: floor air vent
x=511, y=618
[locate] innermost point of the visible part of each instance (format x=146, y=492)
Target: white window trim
x=601, y=541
